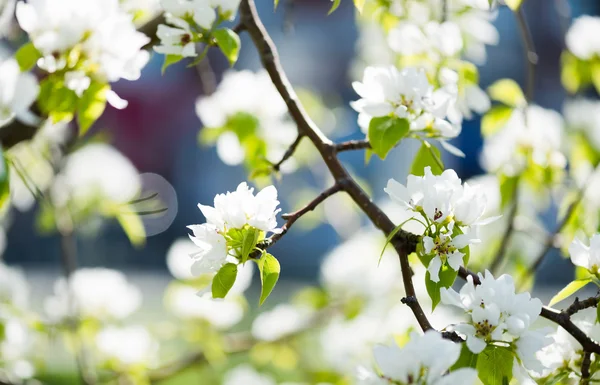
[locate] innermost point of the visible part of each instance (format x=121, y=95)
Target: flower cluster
x=424, y=360
x=236, y=218
x=129, y=345
x=498, y=316
x=190, y=23
x=451, y=212
x=583, y=37
x=17, y=92
x=247, y=118
x=84, y=41
x=405, y=94
x=585, y=256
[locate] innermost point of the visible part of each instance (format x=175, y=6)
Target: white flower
x=279, y=322
x=175, y=41
x=14, y=289
x=536, y=134
x=179, y=262
x=130, y=345
x=583, y=37
x=15, y=346
x=250, y=95
x=95, y=292
x=213, y=249
x=497, y=314
x=96, y=171
x=17, y=92
x=77, y=81
x=445, y=250
x=247, y=375
x=587, y=257
x=424, y=359
x=583, y=115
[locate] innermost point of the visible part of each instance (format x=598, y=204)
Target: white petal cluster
x=462, y=104
x=249, y=93
x=17, y=92
x=498, y=315
x=583, y=37
x=247, y=375
x=16, y=345
x=233, y=210
x=585, y=256
x=434, y=38
x=442, y=202
x=185, y=16
x=93, y=292
x=129, y=345
x=407, y=93
x=424, y=360
x=14, y=289
x=534, y=135
x=96, y=172
x=583, y=115
x=97, y=34
x=280, y=322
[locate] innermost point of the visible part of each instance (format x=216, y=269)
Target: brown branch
x=404, y=242
x=293, y=217
x=585, y=368
x=289, y=152
x=582, y=305
x=561, y=318
x=531, y=56
x=352, y=145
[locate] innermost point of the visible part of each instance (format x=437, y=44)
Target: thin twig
x=352, y=145
x=403, y=242
x=582, y=305
x=207, y=76
x=531, y=56
x=510, y=227
x=585, y=368
x=289, y=152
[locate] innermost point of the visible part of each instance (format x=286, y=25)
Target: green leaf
x=569, y=290
x=467, y=359
x=334, y=6
x=359, y=4
x=275, y=4
x=595, y=73
x=56, y=100
x=513, y=4
x=4, y=181
x=582, y=273
x=427, y=156
x=574, y=73
x=391, y=236
x=269, y=274
x=170, y=60
x=91, y=105
x=559, y=379
x=385, y=132
x=468, y=72
x=495, y=119
x=447, y=278
x=494, y=365
x=507, y=91
x=27, y=56
x=229, y=42
x=507, y=189
x=132, y=225
x=249, y=241
x=224, y=279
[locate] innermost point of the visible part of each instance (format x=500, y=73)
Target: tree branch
x=581, y=305
x=404, y=241
x=531, y=56
x=352, y=145
x=289, y=152
x=585, y=367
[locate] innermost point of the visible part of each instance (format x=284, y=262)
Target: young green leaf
x=467, y=359
x=386, y=132
x=391, y=236
x=170, y=60
x=495, y=119
x=447, y=278
x=224, y=279
x=132, y=225
x=595, y=73
x=507, y=91
x=427, y=155
x=249, y=241
x=359, y=4
x=91, y=105
x=4, y=180
x=334, y=6
x=494, y=365
x=27, y=56
x=569, y=290
x=513, y=4
x=507, y=189
x=229, y=43
x=269, y=274
x=56, y=100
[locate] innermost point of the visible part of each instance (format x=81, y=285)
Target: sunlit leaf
x=27, y=55
x=494, y=365
x=269, y=275
x=569, y=290
x=495, y=119
x=386, y=132
x=170, y=60
x=427, y=156
x=224, y=279
x=229, y=43
x=91, y=105
x=507, y=91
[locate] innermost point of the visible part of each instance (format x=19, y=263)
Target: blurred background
x=159, y=129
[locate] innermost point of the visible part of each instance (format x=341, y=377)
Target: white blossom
x=583, y=116
x=585, y=256
x=175, y=41
x=77, y=81
x=433, y=38
x=279, y=322
x=93, y=292
x=247, y=375
x=583, y=37
x=179, y=262
x=423, y=360
x=254, y=95
x=18, y=91
x=16, y=346
x=405, y=94
x=497, y=314
x=536, y=134
x=213, y=249
x=14, y=289
x=129, y=345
